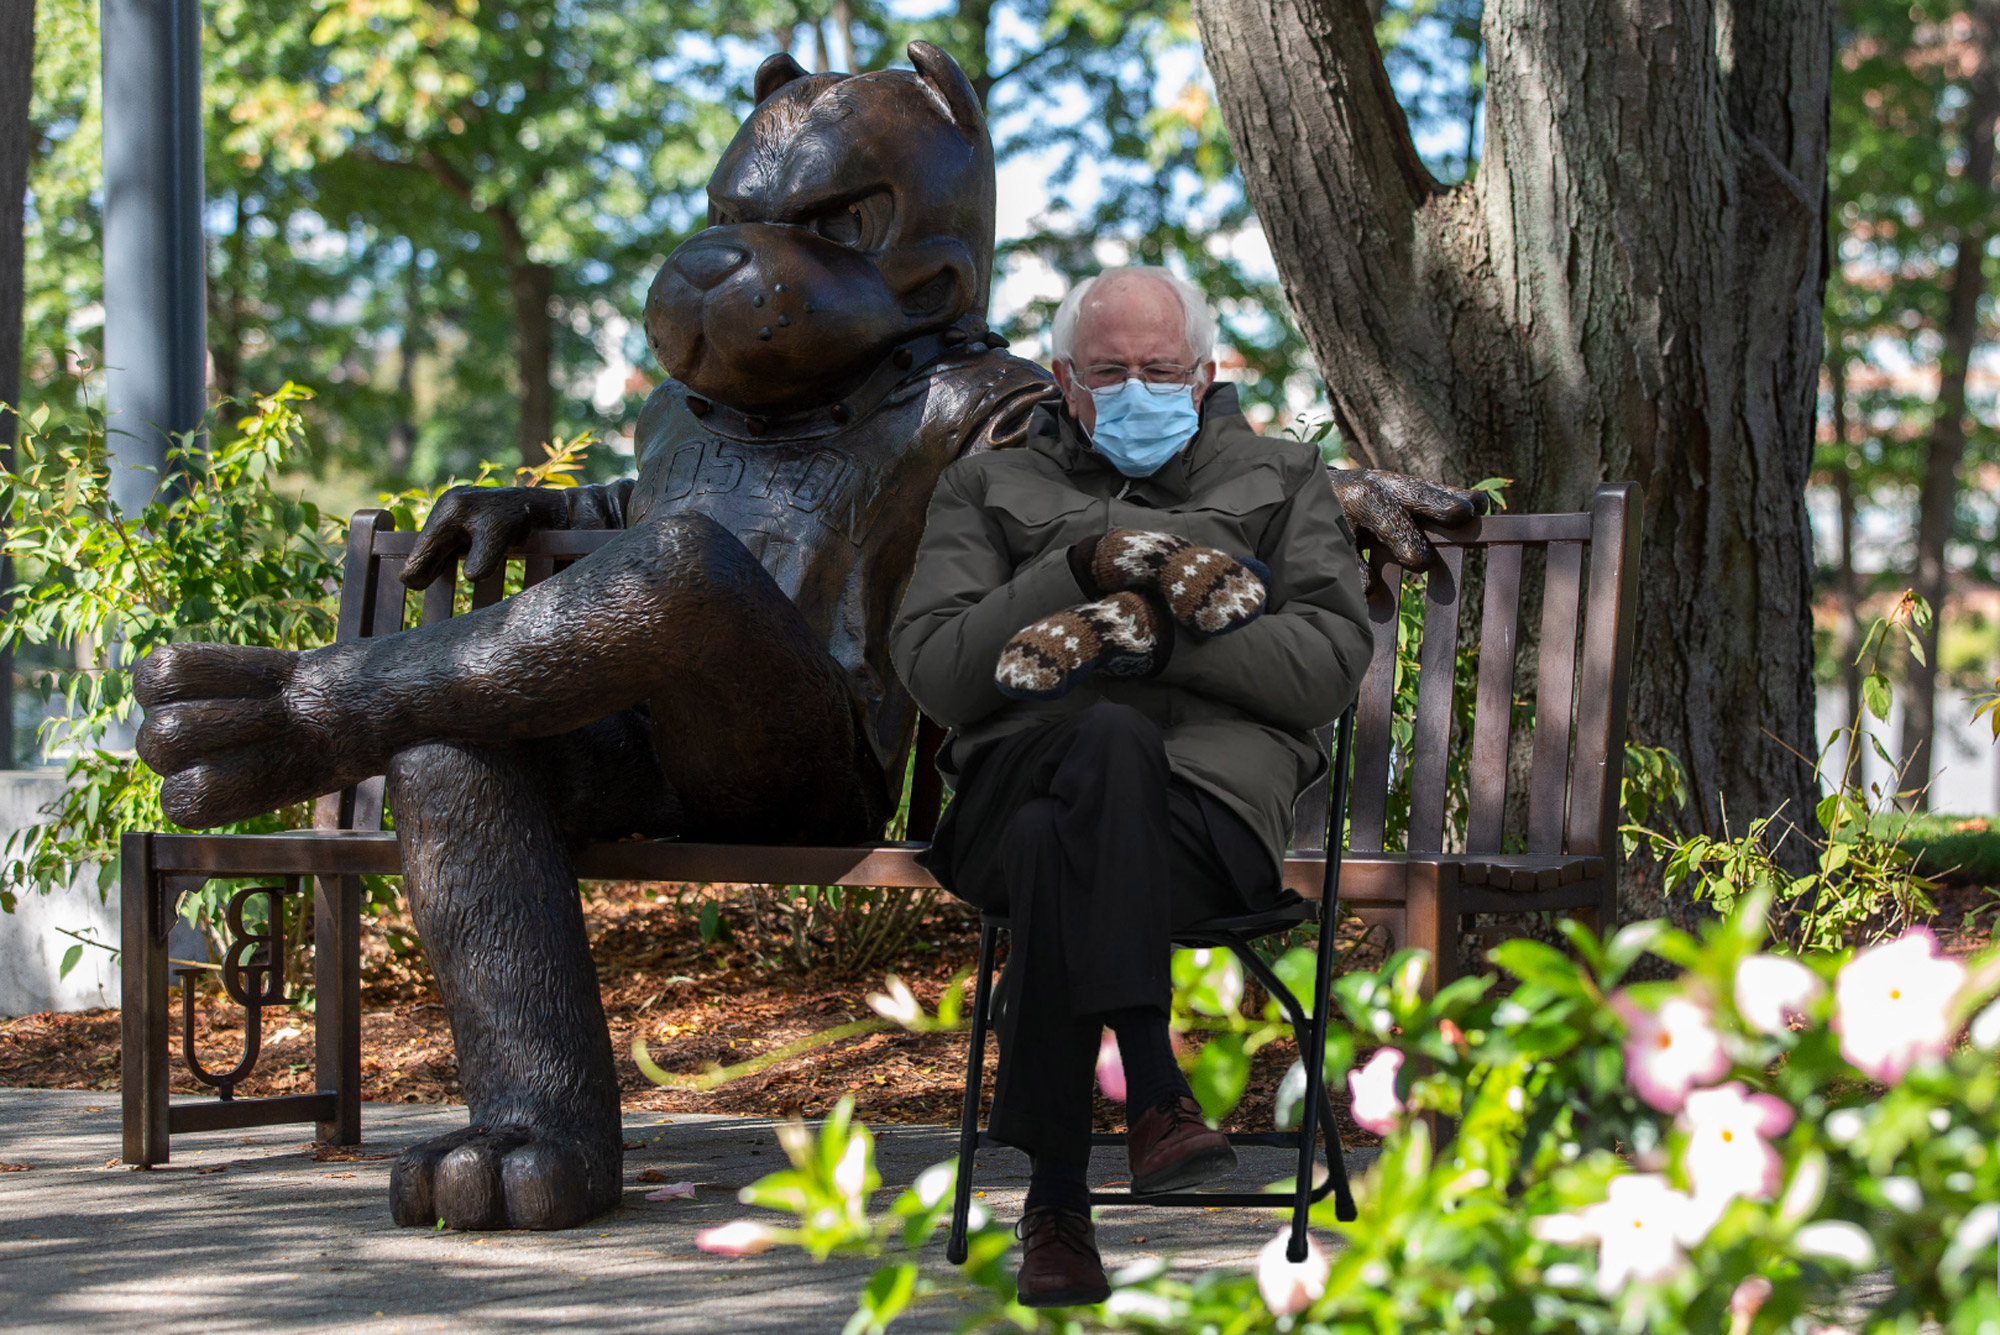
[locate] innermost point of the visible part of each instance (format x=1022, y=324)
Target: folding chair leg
x=968, y=1122
x=143, y=1019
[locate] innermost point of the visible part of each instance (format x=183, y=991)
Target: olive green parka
x=1237, y=711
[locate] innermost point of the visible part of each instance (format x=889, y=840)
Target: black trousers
x=1079, y=833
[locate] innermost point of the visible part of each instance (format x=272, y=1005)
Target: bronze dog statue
x=718, y=670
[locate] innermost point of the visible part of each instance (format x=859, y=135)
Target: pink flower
x=1771, y=990
x=1892, y=1006
x=738, y=1237
x=1671, y=1050
x=1748, y=1296
x=673, y=1191
x=1289, y=1289
x=1376, y=1106
x=1642, y=1228
x=1727, y=1154
x=1110, y=1068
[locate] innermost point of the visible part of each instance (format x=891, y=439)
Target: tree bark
x=1847, y=587
x=533, y=286
x=1937, y=505
x=17, y=139
x=1629, y=289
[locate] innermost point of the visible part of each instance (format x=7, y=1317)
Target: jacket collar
x=1061, y=437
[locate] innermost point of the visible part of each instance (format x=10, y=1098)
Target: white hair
x=1197, y=323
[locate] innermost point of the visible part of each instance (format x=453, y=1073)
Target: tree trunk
x=1847, y=588
x=17, y=138
x=534, y=355
x=403, y=434
x=1630, y=288
x=1937, y=505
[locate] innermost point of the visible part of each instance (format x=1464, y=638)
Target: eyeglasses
x=1159, y=377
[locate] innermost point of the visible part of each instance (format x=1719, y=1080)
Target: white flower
x=899, y=1005
x=1905, y=1193
x=1985, y=1031
x=738, y=1237
x=1892, y=1006
x=1642, y=1228
x=1727, y=1154
x=1771, y=990
x=934, y=1182
x=1836, y=1240
x=1844, y=1124
x=850, y=1175
x=1289, y=1289
x=1671, y=1050
x=1376, y=1106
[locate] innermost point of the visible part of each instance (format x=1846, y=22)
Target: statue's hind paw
x=504, y=1177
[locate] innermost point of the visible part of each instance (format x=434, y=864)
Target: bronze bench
x=1419, y=895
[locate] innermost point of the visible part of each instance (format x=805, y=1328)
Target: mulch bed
x=693, y=1003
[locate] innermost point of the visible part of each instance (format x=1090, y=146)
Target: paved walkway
x=247, y=1232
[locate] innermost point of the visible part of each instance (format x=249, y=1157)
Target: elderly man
x=1131, y=627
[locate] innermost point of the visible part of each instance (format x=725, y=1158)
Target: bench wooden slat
x=1548, y=780
x=1437, y=660
x=1368, y=810
x=1608, y=631
x=440, y=595
x=1493, y=710
x=1564, y=526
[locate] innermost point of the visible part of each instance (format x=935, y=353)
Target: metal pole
x=155, y=324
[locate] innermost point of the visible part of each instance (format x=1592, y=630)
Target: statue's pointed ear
x=953, y=89
x=775, y=73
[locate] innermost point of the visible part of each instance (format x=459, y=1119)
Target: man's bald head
x=1118, y=323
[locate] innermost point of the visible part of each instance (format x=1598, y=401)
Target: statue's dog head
x=850, y=214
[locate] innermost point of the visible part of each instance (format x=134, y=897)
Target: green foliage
x=1498, y=1230
x=221, y=554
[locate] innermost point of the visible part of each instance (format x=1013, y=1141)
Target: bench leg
x=143, y=1019
x=956, y=1245
x=337, y=1019
x=1431, y=923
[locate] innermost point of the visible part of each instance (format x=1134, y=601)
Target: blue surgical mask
x=1138, y=430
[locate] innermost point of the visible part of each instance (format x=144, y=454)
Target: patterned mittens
x=1209, y=592
x=1119, y=636
x=1126, y=634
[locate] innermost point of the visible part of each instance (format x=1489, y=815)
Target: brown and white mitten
x=1208, y=591
x=1119, y=636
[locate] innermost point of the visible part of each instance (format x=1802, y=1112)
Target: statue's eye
x=842, y=226
x=860, y=223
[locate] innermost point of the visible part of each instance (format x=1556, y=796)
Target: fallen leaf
x=673, y=1191
x=651, y=1175
x=218, y=1168
x=14, y=1167
x=635, y=1144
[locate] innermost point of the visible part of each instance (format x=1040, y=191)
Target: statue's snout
x=704, y=264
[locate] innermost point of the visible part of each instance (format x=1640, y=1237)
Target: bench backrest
x=1582, y=667
x=1585, y=653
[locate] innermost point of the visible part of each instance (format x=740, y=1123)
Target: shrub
x=1726, y=1151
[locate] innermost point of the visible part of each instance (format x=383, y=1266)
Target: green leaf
x=69, y=959
x=710, y=923
x=1875, y=694
x=1289, y=1105
x=1220, y=1074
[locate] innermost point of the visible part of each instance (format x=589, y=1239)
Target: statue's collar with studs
x=903, y=363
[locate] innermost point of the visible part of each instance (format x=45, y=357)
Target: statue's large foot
x=505, y=1177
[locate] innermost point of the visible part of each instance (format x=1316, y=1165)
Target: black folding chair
x=1237, y=935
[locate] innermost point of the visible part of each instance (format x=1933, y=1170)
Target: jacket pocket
x=1033, y=519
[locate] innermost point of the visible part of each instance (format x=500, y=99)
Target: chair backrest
x=375, y=601
x=1588, y=611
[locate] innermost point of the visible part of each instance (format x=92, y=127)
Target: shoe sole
x=1192, y=1171
x=1067, y=1297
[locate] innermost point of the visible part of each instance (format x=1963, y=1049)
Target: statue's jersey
x=835, y=516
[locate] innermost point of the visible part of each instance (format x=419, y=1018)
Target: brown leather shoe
x=1172, y=1148
x=1059, y=1262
